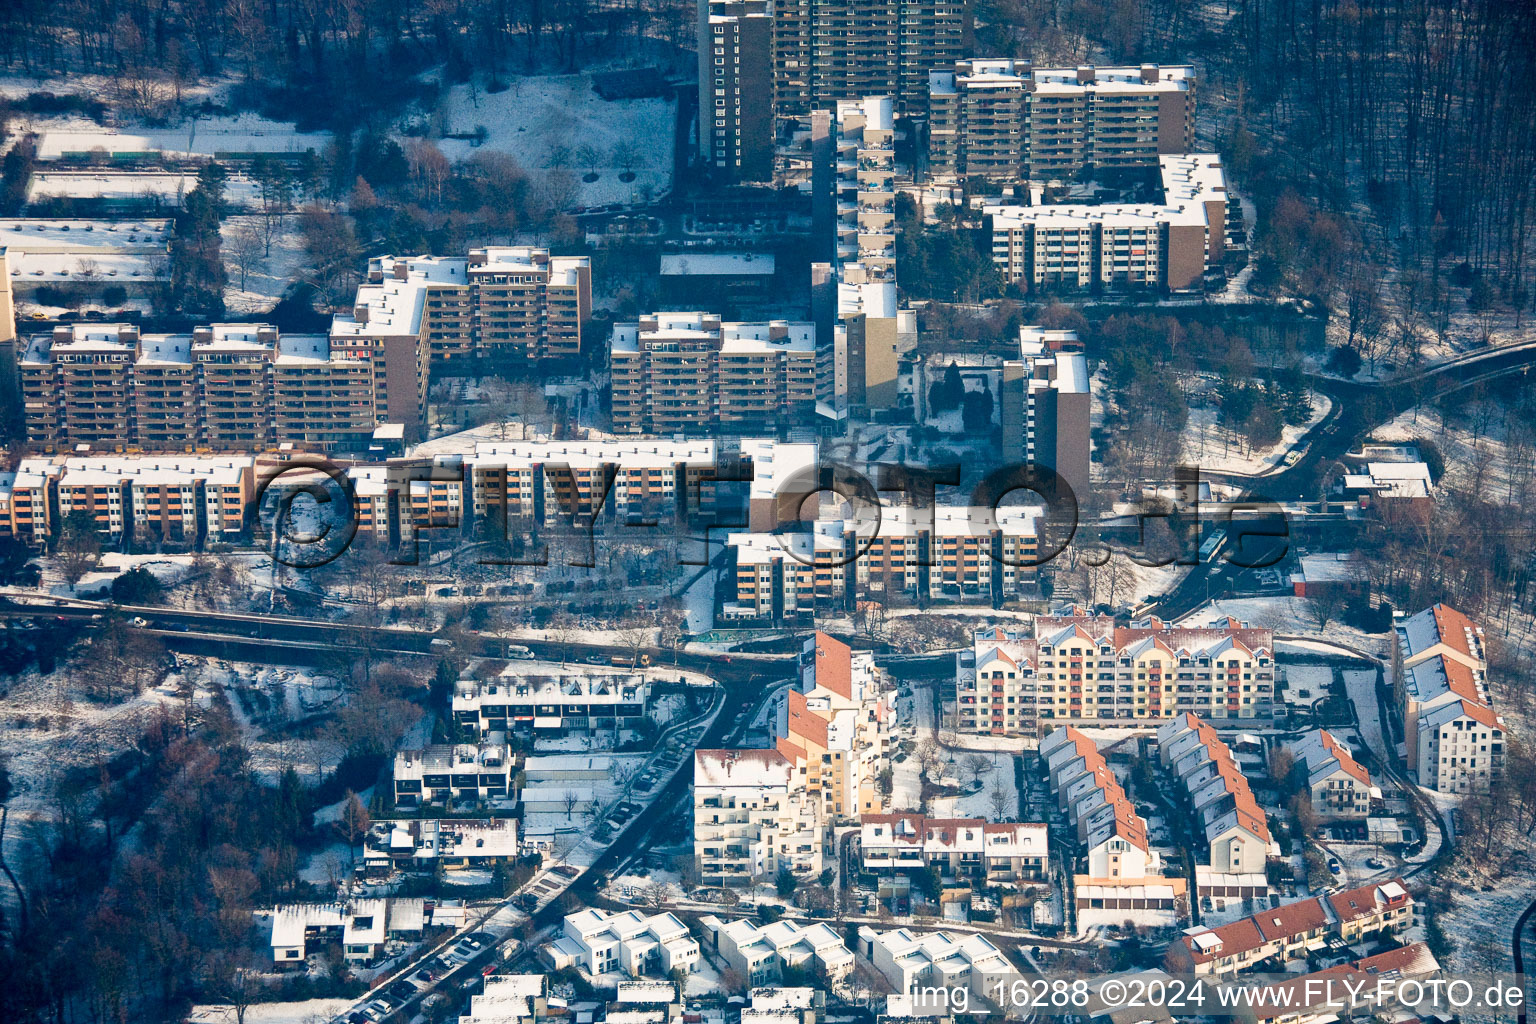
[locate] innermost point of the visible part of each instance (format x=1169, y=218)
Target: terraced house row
x=1083, y=668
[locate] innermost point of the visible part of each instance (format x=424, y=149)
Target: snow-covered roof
x=717, y=264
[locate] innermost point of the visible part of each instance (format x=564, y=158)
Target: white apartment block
x=1002, y=853
x=1168, y=245
x=1236, y=828
x=756, y=811
x=752, y=816
x=547, y=480
x=1454, y=738
x=360, y=926
x=601, y=943
x=1338, y=786
x=442, y=773
x=1080, y=668
x=552, y=702
x=799, y=1004
x=417, y=845
x=950, y=959
x=761, y=952
x=509, y=999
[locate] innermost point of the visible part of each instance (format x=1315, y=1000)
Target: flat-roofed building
x=146, y=499
x=1002, y=119
x=1046, y=405
x=422, y=845
x=550, y=701
x=940, y=553
x=224, y=387
x=630, y=942
x=954, y=960
x=694, y=373
x=760, y=953
x=446, y=773
x=1165, y=246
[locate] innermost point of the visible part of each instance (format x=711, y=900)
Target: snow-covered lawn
x=979, y=803
x=1212, y=446
x=1290, y=615
x=272, y=273
x=540, y=116
x=308, y=1011
x=1305, y=685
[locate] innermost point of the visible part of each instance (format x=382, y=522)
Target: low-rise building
x=1292, y=930
x=954, y=960
x=760, y=953
x=798, y=1004
x=1004, y=853
x=602, y=943
x=509, y=999
x=414, y=845
x=1336, y=784
x=361, y=927
x=552, y=702
x=1339, y=991
x=445, y=773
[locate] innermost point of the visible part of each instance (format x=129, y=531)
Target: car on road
x=139, y=621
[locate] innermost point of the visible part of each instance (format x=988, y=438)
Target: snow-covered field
x=1212, y=446
x=1305, y=685
x=1289, y=615
x=309, y=1011
x=538, y=118
x=272, y=273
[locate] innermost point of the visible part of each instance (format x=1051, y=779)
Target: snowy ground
x=1361, y=686
x=1212, y=446
x=979, y=803
x=1483, y=461
x=266, y=281
x=309, y=1011
x=537, y=117
x=1305, y=685
x=1291, y=616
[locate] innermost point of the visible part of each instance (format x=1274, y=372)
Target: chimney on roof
x=401, y=269
x=1085, y=73
x=1150, y=73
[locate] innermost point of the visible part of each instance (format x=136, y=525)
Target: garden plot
x=1305, y=685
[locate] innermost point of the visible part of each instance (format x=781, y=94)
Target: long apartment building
x=224, y=387
x=1046, y=404
x=995, y=853
x=1293, y=930
x=498, y=303
x=761, y=953
x=939, y=553
x=1453, y=737
x=1082, y=668
x=1235, y=827
x=550, y=703
x=1162, y=246
x=693, y=373
x=860, y=328
x=138, y=499
x=1004, y=120
x=756, y=811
